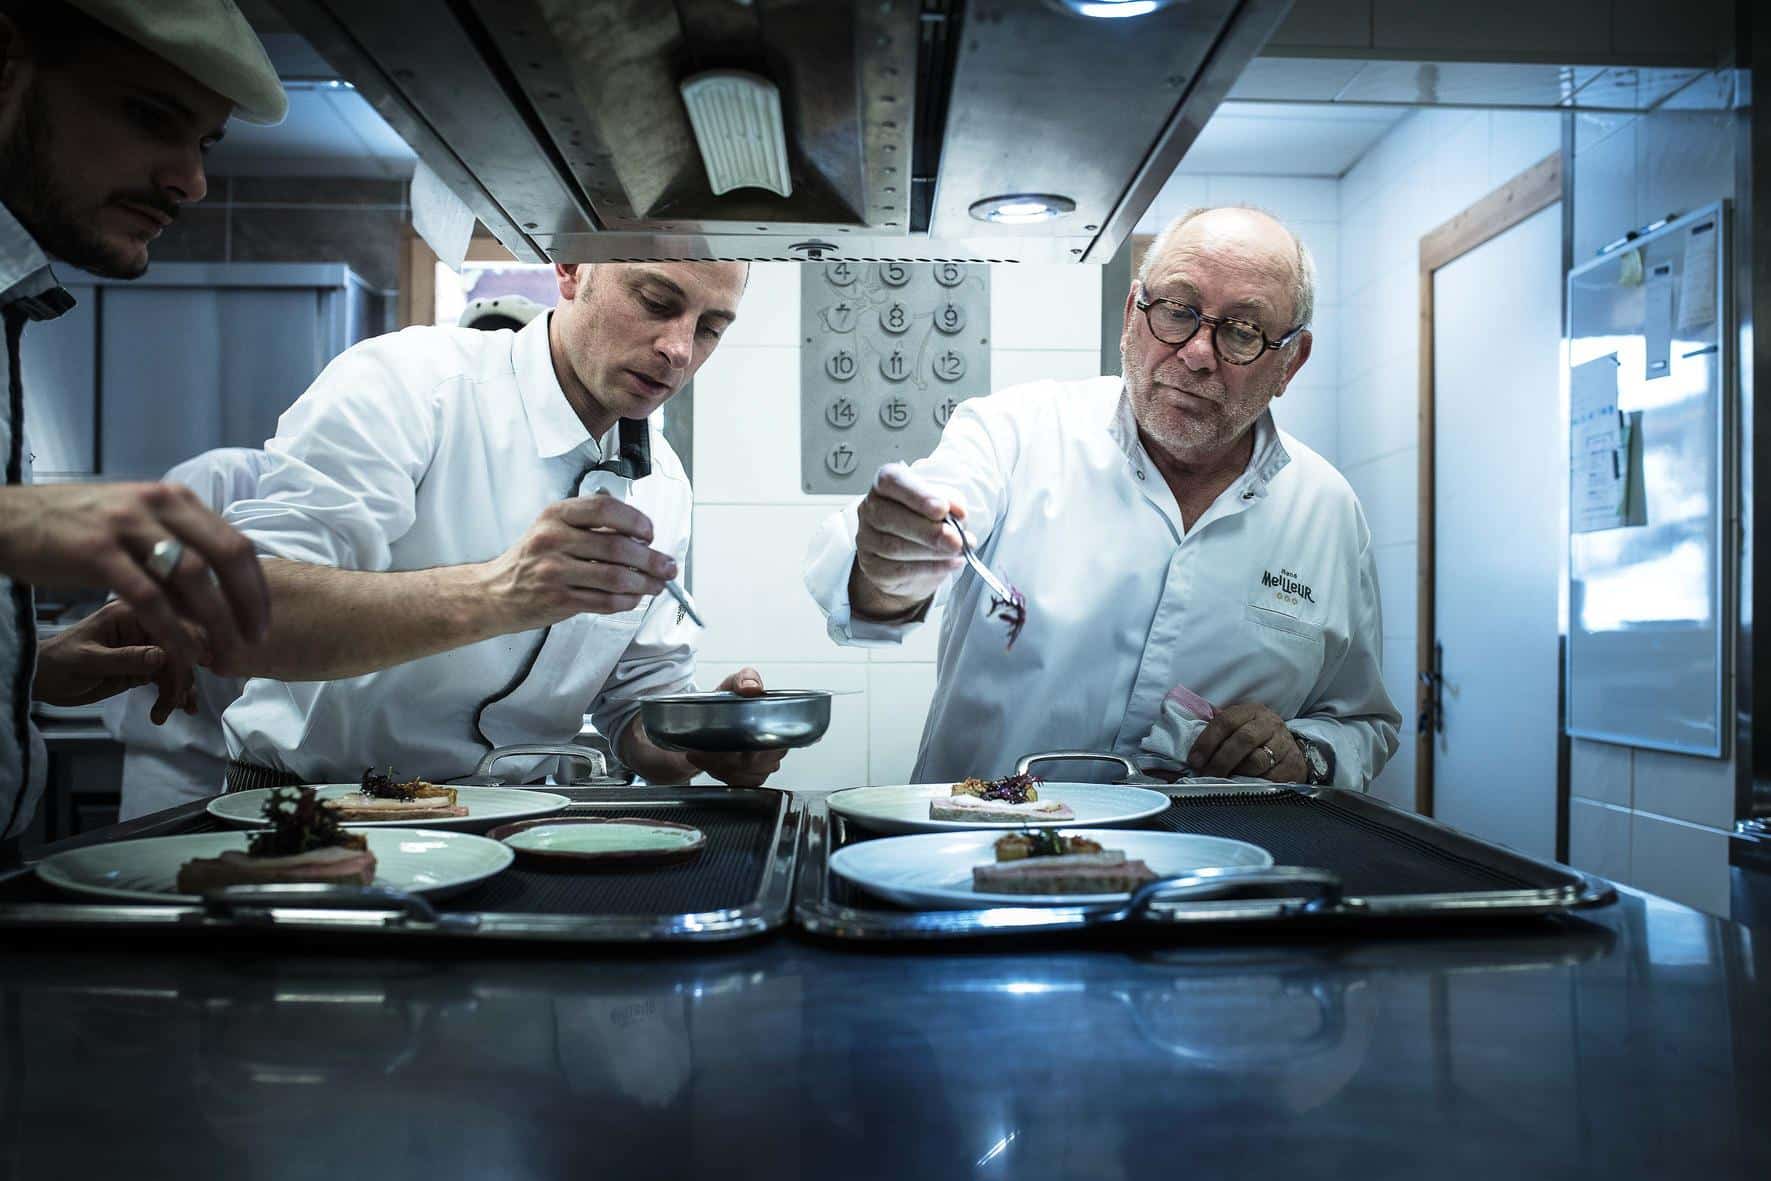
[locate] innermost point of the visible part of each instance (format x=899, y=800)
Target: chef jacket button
x=1140, y=473
x=1249, y=495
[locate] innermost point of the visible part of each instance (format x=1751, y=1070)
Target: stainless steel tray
x=1345, y=860
x=740, y=886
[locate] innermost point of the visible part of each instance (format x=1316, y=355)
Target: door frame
x=1529, y=193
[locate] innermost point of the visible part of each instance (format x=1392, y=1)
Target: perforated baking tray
x=1343, y=857
x=740, y=885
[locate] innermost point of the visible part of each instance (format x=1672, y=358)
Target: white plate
x=487, y=807
x=934, y=870
x=419, y=860
x=905, y=807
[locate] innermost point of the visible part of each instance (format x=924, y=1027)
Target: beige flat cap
x=207, y=39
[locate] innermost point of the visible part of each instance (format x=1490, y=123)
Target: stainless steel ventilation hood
x=560, y=122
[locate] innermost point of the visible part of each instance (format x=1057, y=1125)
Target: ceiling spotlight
x=736, y=117
x=1022, y=208
x=1114, y=9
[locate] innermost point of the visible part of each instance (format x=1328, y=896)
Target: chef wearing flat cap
x=106, y=110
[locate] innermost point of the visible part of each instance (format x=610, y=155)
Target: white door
x=1500, y=484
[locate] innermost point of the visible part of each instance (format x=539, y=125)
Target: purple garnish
x=1010, y=789
x=1012, y=611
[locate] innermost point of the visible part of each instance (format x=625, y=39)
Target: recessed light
x=1114, y=9
x=1022, y=208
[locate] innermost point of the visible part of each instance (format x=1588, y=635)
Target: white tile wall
x=1010, y=367
x=1295, y=200
x=1680, y=861
x=747, y=425
x=1517, y=140
x=1038, y=306
x=1375, y=414
x=1398, y=581
x=896, y=730
x=748, y=569
x=1599, y=839
x=769, y=313
x=1698, y=790
x=1311, y=414
x=1386, y=488
x=1323, y=368
x=1599, y=771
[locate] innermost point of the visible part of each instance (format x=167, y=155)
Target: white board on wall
x=1650, y=613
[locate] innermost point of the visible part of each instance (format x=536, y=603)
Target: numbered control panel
x=887, y=350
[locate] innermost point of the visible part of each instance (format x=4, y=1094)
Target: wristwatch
x=1318, y=760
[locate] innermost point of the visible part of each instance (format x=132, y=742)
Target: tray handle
x=1329, y=893
x=253, y=904
x=1027, y=762
x=599, y=766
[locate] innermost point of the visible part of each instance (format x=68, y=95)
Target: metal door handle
x=1432, y=710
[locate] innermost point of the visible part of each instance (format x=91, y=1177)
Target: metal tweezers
x=997, y=587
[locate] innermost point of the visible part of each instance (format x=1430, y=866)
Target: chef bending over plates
x=466, y=535
x=1200, y=593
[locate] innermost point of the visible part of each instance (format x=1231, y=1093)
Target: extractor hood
x=562, y=123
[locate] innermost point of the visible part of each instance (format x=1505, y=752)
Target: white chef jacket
x=438, y=447
x=25, y=280
x=185, y=757
x=1271, y=597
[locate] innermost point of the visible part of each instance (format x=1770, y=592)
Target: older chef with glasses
x=466, y=536
x=1173, y=545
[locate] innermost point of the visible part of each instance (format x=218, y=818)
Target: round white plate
x=419, y=860
x=933, y=871
x=487, y=807
x=905, y=807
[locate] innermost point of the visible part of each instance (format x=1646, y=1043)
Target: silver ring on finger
x=164, y=557
x=1272, y=759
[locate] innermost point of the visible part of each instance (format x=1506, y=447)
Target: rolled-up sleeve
x=970, y=465
x=1351, y=710
x=341, y=485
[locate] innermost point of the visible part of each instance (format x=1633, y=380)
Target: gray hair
x=1303, y=288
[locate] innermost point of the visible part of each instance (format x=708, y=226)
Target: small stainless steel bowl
x=779, y=719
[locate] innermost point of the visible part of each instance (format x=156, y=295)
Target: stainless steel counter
x=1635, y=1042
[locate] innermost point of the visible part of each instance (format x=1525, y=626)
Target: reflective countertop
x=1633, y=1042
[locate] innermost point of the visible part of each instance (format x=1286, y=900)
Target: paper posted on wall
x=1605, y=449
x=1697, y=278
x=1657, y=322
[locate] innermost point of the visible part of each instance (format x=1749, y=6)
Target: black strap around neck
x=633, y=452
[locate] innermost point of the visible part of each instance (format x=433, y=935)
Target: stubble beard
x=50, y=215
x=1183, y=437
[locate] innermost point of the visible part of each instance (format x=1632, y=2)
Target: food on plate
x=304, y=843
x=1042, y=842
x=970, y=807
x=1013, y=797
x=1010, y=789
x=383, y=798
x=1100, y=871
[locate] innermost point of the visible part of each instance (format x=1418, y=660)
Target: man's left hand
x=106, y=653
x=739, y=768
x=1248, y=739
